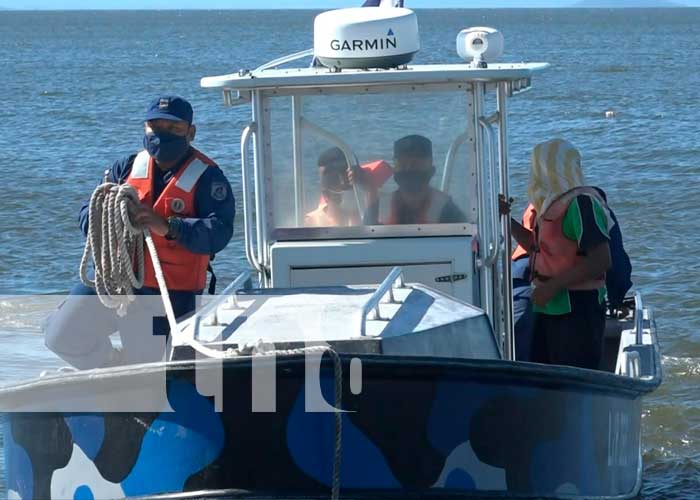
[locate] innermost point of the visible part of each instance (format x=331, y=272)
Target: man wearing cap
x=188, y=206
x=415, y=201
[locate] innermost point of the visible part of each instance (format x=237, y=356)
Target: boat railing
x=491, y=243
x=207, y=316
x=637, y=356
x=386, y=287
x=285, y=59
x=639, y=317
x=248, y=225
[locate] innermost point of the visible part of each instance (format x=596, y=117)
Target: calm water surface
x=74, y=87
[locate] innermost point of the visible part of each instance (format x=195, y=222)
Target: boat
x=369, y=361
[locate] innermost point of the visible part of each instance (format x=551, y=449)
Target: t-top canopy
x=420, y=74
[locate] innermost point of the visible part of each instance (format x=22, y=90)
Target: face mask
x=413, y=182
x=164, y=146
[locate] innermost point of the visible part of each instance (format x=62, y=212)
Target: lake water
x=74, y=86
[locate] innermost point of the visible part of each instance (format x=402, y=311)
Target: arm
x=118, y=174
x=212, y=230
x=524, y=237
x=369, y=178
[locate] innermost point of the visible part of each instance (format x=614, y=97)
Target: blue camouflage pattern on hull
x=412, y=430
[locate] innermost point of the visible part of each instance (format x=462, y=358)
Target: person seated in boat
x=415, y=201
x=570, y=255
x=334, y=208
x=187, y=204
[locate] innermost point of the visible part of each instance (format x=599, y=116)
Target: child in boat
x=570, y=255
x=336, y=181
x=331, y=211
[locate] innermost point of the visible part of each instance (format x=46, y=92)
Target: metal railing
x=372, y=304
x=639, y=317
x=200, y=317
x=285, y=59
x=261, y=117
x=491, y=221
x=297, y=145
x=508, y=319
x=227, y=298
x=248, y=225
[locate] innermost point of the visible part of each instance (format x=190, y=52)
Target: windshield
x=372, y=159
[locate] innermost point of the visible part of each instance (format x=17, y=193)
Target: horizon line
x=203, y=9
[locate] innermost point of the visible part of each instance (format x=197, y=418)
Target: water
x=75, y=84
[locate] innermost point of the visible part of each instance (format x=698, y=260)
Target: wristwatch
x=174, y=227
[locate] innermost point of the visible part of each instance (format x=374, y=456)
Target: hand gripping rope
x=115, y=245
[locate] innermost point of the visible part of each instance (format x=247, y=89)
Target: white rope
x=115, y=245
x=263, y=349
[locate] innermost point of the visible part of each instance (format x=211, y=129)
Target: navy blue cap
x=170, y=107
x=415, y=146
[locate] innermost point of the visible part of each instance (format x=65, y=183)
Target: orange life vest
x=528, y=223
x=183, y=270
x=554, y=253
x=430, y=214
x=378, y=172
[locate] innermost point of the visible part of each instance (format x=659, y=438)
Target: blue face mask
x=413, y=182
x=164, y=146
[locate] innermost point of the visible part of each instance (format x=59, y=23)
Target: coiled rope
x=115, y=246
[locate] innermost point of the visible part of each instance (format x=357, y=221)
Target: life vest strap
x=139, y=169
x=188, y=179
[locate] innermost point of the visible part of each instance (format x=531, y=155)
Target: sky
x=273, y=4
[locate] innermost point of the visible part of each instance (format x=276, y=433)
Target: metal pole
x=248, y=224
x=502, y=98
x=483, y=231
x=297, y=131
x=639, y=318
x=259, y=182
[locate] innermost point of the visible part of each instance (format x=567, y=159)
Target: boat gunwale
x=525, y=373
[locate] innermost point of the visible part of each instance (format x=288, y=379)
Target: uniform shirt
x=585, y=222
x=212, y=229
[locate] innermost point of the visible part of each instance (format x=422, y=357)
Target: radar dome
x=366, y=37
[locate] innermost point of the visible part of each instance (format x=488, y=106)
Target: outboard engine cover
x=366, y=37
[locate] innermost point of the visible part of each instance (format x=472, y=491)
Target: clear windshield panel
x=372, y=159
